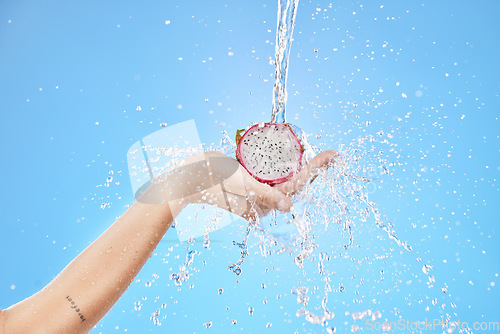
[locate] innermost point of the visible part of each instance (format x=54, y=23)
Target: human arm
x=89, y=286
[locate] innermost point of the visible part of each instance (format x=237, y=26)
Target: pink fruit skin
x=273, y=181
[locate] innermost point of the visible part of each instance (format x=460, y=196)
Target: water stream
x=287, y=10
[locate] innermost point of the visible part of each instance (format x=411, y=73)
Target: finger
x=271, y=198
x=309, y=172
x=323, y=160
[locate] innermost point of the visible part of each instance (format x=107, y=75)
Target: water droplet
x=206, y=241
x=302, y=290
x=220, y=291
x=302, y=299
x=235, y=269
x=250, y=310
x=208, y=324
x=361, y=315
x=376, y=315
x=426, y=268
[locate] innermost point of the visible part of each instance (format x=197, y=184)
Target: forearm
x=89, y=286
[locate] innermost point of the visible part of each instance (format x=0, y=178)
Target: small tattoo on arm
x=76, y=308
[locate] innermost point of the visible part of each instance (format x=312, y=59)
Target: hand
x=308, y=173
x=227, y=185
x=216, y=179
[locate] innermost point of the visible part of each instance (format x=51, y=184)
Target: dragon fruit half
x=270, y=152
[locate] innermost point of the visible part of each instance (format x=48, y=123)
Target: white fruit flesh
x=271, y=152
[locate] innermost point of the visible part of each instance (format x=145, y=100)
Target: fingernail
x=283, y=206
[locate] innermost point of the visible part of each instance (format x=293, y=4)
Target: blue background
x=73, y=73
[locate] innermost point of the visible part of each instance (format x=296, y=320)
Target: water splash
x=155, y=317
x=342, y=195
x=183, y=274
x=236, y=268
x=338, y=200
x=366, y=314
x=316, y=319
x=206, y=240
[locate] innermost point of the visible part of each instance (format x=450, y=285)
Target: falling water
x=236, y=268
x=287, y=9
x=183, y=274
